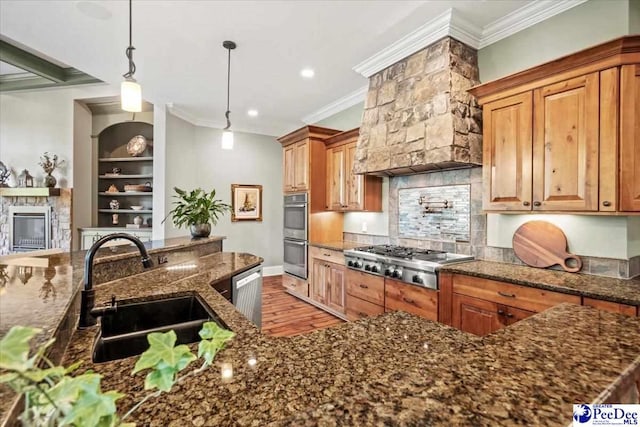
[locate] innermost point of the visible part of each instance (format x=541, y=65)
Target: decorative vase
x=50, y=181
x=114, y=204
x=200, y=230
x=137, y=220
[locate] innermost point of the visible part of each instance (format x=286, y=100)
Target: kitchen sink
x=124, y=333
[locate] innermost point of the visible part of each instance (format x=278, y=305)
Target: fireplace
x=29, y=228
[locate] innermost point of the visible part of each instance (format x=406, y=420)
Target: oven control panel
x=365, y=265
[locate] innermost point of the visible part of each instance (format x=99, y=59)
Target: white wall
x=589, y=24
x=82, y=203
x=195, y=159
x=344, y=120
x=37, y=121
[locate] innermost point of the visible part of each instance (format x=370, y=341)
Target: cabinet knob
x=363, y=286
x=500, y=312
x=408, y=300
x=526, y=203
x=537, y=204
x=606, y=203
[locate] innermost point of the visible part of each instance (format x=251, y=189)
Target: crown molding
x=523, y=18
x=336, y=106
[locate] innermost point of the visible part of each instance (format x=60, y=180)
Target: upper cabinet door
x=630, y=138
x=565, y=145
x=301, y=169
x=507, y=153
x=353, y=182
x=335, y=178
x=289, y=168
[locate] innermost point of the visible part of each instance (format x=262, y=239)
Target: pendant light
x=130, y=90
x=227, y=133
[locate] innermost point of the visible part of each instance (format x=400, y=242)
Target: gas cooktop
x=412, y=265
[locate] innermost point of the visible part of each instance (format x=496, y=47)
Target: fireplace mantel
x=29, y=192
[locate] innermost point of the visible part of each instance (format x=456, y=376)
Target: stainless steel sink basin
x=124, y=333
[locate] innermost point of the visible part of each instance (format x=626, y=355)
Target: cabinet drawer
x=522, y=297
x=365, y=286
x=326, y=254
x=293, y=284
x=412, y=299
x=613, y=307
x=358, y=308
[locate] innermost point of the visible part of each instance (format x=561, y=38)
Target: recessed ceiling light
x=307, y=73
x=252, y=113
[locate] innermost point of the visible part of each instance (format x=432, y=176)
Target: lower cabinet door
x=476, y=316
x=417, y=300
x=358, y=308
x=336, y=287
x=319, y=281
x=511, y=315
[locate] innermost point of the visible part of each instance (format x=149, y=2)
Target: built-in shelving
x=112, y=211
x=126, y=193
x=125, y=159
x=139, y=176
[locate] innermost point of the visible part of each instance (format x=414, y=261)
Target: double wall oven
x=296, y=222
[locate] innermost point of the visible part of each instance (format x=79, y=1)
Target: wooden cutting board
x=541, y=244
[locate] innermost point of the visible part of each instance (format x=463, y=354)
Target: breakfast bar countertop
x=338, y=245
x=393, y=369
x=624, y=291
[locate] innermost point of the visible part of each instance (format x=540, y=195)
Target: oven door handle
x=296, y=205
x=296, y=243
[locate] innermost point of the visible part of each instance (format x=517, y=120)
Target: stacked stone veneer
x=419, y=116
x=60, y=218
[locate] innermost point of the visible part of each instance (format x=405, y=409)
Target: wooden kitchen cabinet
x=364, y=294
x=612, y=307
x=476, y=316
x=328, y=284
x=413, y=299
x=303, y=162
x=295, y=285
x=630, y=138
x=564, y=136
x=347, y=191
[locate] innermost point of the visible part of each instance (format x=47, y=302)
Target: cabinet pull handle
x=363, y=286
x=537, y=204
x=408, y=300
x=509, y=315
x=526, y=203
x=506, y=295
x=361, y=314
x=500, y=312
x=606, y=203
x=327, y=254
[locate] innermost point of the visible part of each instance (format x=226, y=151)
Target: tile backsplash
x=438, y=212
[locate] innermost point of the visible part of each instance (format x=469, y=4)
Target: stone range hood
x=419, y=116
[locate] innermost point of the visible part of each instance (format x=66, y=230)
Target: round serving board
x=541, y=244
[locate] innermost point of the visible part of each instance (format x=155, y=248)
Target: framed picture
x=246, y=202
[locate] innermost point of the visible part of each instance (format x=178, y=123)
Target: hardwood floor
x=285, y=315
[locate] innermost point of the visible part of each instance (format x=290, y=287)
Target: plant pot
x=200, y=230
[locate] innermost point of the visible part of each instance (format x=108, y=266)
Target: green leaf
x=162, y=379
x=7, y=378
x=162, y=353
x=213, y=339
x=14, y=348
x=38, y=375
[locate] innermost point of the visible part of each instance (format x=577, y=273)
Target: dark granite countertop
x=338, y=245
x=394, y=369
x=604, y=288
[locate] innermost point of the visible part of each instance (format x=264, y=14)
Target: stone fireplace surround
x=60, y=218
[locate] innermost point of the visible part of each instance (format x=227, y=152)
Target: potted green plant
x=198, y=210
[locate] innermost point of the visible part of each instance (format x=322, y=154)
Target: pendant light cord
x=130, y=49
x=226, y=115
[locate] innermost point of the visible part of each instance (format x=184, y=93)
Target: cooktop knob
x=357, y=264
x=374, y=269
x=395, y=274
x=367, y=267
x=417, y=279
x=350, y=263
x=387, y=272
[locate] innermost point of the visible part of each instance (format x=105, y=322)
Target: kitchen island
x=393, y=369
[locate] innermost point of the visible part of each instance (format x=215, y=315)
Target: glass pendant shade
x=227, y=140
x=131, y=96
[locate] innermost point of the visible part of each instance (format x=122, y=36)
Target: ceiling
x=181, y=61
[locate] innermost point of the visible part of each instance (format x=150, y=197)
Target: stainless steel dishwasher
x=246, y=294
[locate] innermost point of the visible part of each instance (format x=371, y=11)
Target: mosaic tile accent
x=430, y=220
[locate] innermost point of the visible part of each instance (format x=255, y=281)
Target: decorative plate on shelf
x=137, y=207
x=137, y=145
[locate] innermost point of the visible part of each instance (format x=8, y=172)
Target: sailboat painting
x=246, y=202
